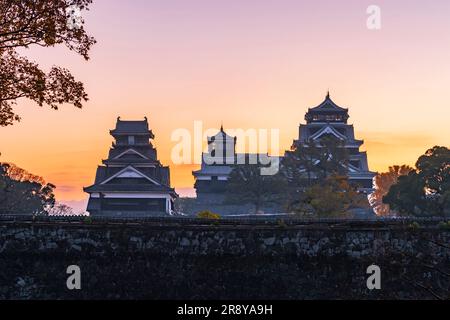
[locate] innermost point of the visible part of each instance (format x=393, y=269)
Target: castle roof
x=128, y=188
x=102, y=181
x=328, y=105
x=327, y=111
x=127, y=127
x=221, y=136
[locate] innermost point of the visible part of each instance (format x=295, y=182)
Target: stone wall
x=219, y=260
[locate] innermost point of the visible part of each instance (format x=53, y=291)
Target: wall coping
x=287, y=223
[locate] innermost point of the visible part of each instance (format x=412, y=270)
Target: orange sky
x=249, y=64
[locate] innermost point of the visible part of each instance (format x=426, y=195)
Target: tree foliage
x=333, y=197
x=426, y=190
x=22, y=192
x=332, y=158
x=247, y=185
x=42, y=23
x=299, y=164
x=311, y=163
x=314, y=161
x=208, y=215
x=383, y=182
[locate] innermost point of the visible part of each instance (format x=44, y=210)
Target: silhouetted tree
x=43, y=23
x=333, y=158
x=311, y=163
x=425, y=191
x=300, y=164
x=383, y=182
x=22, y=192
x=247, y=185
x=407, y=196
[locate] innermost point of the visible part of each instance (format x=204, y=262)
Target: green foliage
x=334, y=197
x=425, y=191
x=332, y=158
x=87, y=220
x=383, y=182
x=444, y=225
x=414, y=226
x=206, y=214
x=407, y=196
x=311, y=163
x=434, y=169
x=23, y=193
x=315, y=161
x=247, y=185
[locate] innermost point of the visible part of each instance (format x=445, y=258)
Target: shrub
x=87, y=220
x=281, y=223
x=414, y=226
x=206, y=214
x=444, y=225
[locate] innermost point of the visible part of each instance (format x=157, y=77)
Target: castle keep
x=329, y=119
x=131, y=180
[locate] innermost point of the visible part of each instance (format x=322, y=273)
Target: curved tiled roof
x=132, y=127
x=221, y=135
x=328, y=104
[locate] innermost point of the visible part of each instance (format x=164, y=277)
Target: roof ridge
x=328, y=103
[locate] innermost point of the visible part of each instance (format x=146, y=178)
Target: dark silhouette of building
x=329, y=119
x=218, y=163
x=211, y=179
x=131, y=181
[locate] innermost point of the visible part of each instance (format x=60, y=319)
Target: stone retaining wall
x=215, y=261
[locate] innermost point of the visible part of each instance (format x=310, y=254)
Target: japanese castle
x=217, y=165
x=330, y=119
x=326, y=119
x=131, y=180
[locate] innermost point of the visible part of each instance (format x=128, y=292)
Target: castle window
x=131, y=140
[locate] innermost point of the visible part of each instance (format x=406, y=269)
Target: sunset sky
x=248, y=64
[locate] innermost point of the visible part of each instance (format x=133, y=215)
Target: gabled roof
x=146, y=150
x=102, y=185
x=328, y=130
x=328, y=105
x=130, y=151
x=130, y=172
